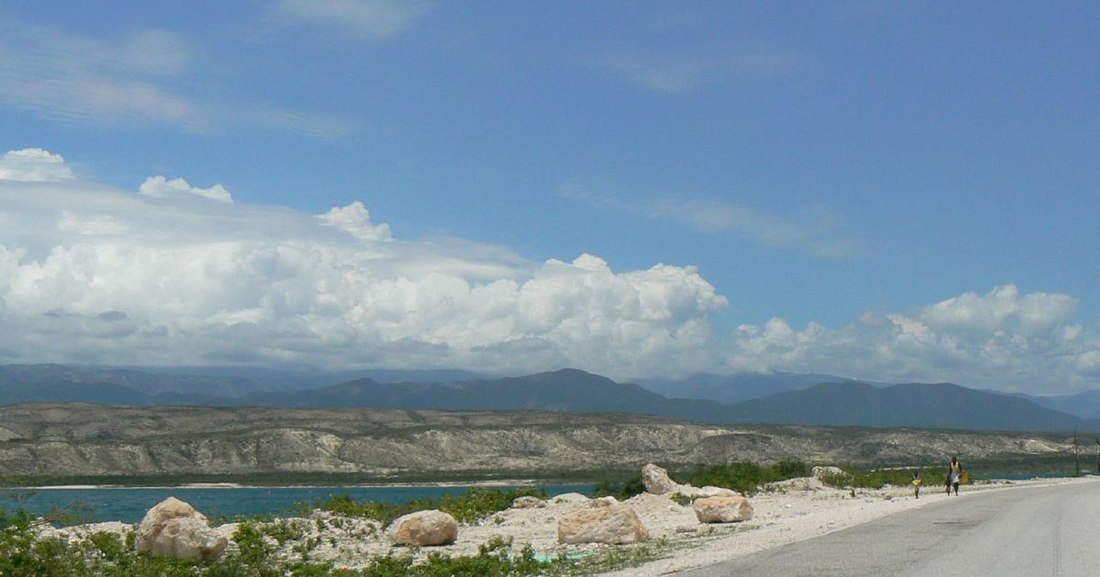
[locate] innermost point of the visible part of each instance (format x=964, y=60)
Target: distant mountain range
x=1085, y=405
x=730, y=389
x=567, y=390
x=739, y=399
x=937, y=406
x=26, y=383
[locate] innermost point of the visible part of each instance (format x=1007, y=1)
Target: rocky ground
x=786, y=512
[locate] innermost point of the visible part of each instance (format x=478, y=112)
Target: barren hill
x=81, y=439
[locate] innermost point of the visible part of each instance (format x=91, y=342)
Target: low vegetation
x=469, y=507
x=871, y=479
x=260, y=546
x=745, y=477
x=23, y=553
x=742, y=476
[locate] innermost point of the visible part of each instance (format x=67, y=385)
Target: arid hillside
x=81, y=439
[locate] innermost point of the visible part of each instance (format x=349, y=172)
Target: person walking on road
x=916, y=484
x=954, y=475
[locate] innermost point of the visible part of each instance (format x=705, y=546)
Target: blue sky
x=883, y=190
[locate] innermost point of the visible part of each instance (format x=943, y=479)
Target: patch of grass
x=681, y=499
x=473, y=505
x=745, y=477
x=857, y=478
x=741, y=476
x=620, y=488
x=613, y=558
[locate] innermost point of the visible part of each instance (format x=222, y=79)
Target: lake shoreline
x=228, y=485
x=81, y=504
x=788, y=511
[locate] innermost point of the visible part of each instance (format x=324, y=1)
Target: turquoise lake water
x=129, y=504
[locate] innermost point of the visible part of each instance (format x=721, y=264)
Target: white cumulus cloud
x=90, y=273
x=1003, y=340
x=94, y=274
x=161, y=187
x=34, y=165
x=355, y=219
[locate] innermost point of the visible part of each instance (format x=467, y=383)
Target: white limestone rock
x=424, y=529
x=722, y=509
x=173, y=528
x=528, y=502
x=656, y=480
x=610, y=524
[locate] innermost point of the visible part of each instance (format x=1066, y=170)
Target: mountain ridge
x=843, y=403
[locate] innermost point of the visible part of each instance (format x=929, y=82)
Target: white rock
x=820, y=473
x=712, y=491
x=722, y=509
x=424, y=529
x=566, y=498
x=613, y=524
x=608, y=501
x=528, y=502
x=175, y=529
x=656, y=480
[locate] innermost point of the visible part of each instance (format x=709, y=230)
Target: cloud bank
x=34, y=165
x=178, y=274
x=1001, y=340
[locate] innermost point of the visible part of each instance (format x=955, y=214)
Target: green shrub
x=681, y=499
x=621, y=489
x=879, y=478
x=745, y=477
x=836, y=479
x=473, y=505
x=494, y=559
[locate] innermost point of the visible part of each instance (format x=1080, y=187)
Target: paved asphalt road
x=1025, y=532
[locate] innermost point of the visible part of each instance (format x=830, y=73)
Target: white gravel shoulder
x=800, y=509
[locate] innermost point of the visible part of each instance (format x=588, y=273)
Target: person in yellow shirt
x=954, y=475
x=916, y=484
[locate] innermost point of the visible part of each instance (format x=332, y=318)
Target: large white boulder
x=722, y=509
x=424, y=529
x=173, y=528
x=612, y=524
x=712, y=491
x=656, y=480
x=823, y=473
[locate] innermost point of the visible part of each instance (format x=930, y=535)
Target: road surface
x=1026, y=532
